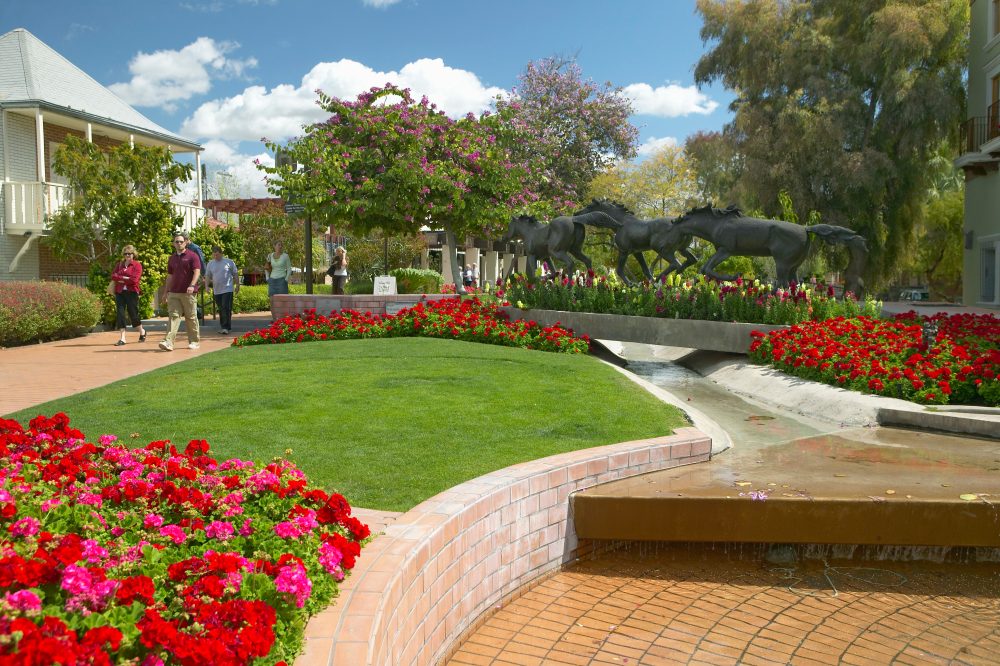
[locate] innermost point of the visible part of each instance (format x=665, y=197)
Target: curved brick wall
x=424, y=582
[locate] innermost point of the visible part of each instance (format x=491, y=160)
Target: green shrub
x=417, y=280
x=41, y=311
x=989, y=391
x=252, y=299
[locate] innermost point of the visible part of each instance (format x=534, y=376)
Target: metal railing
x=973, y=134
x=78, y=280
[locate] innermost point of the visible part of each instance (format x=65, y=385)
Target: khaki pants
x=183, y=305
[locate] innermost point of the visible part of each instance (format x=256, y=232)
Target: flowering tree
x=576, y=128
x=388, y=162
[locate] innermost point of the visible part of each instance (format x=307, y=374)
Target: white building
x=43, y=99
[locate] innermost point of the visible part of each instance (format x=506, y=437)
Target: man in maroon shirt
x=183, y=272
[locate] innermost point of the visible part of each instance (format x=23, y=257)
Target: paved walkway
x=35, y=374
x=702, y=606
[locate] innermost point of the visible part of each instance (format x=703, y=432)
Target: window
x=995, y=17
x=988, y=267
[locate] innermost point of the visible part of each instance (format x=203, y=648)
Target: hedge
x=42, y=311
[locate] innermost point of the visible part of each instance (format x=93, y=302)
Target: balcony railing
x=28, y=205
x=992, y=121
x=973, y=134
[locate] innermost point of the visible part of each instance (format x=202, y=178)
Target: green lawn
x=386, y=422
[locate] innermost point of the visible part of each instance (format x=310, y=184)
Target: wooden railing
x=993, y=121
x=28, y=205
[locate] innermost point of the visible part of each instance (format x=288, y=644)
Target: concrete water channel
x=808, y=542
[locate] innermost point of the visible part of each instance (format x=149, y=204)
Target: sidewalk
x=34, y=374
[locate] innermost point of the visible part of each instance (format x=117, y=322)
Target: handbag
x=111, y=288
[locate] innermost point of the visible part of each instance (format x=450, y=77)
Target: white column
x=425, y=262
x=131, y=141
x=197, y=171
x=489, y=269
x=90, y=133
x=471, y=257
x=508, y=261
x=449, y=278
x=40, y=145
x=996, y=272
x=6, y=148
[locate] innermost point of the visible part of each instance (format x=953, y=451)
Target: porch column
x=197, y=170
x=90, y=133
x=425, y=262
x=131, y=141
x=472, y=257
x=508, y=261
x=6, y=148
x=40, y=145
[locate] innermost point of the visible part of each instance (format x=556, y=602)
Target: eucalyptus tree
x=841, y=104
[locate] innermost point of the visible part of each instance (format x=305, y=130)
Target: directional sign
x=294, y=208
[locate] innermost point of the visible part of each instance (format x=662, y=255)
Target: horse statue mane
x=729, y=211
x=620, y=206
x=528, y=218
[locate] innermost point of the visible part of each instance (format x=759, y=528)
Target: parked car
x=915, y=294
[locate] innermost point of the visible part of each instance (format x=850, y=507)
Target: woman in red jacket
x=125, y=277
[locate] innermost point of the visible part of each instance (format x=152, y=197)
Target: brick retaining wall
x=291, y=304
x=422, y=584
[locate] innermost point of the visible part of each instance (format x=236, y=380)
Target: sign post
x=295, y=209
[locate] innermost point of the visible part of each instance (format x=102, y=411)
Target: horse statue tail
x=597, y=218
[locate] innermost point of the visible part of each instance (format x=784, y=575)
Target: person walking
x=125, y=278
x=224, y=279
x=183, y=274
x=279, y=268
x=338, y=269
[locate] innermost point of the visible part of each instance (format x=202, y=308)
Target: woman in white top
x=338, y=269
x=279, y=266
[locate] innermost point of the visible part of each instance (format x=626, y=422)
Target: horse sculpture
x=561, y=239
x=633, y=236
x=734, y=234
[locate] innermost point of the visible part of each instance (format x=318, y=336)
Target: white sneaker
x=224, y=331
x=166, y=346
x=193, y=345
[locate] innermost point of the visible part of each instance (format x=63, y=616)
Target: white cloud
x=244, y=178
x=380, y=4
x=668, y=101
x=280, y=113
x=654, y=144
x=164, y=77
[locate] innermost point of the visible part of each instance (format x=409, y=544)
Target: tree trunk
x=456, y=271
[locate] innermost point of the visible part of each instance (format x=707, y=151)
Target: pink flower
x=107, y=440
x=246, y=529
x=76, y=579
x=23, y=600
x=174, y=533
x=92, y=551
x=292, y=579
x=152, y=520
x=27, y=526
x=219, y=530
x=287, y=530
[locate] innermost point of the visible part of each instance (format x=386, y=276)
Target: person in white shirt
x=224, y=278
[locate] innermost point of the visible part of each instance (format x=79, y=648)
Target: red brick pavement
x=700, y=607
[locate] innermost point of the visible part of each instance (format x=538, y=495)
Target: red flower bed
x=451, y=318
x=890, y=357
x=153, y=555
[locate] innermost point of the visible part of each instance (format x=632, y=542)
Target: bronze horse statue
x=734, y=234
x=634, y=236
x=562, y=238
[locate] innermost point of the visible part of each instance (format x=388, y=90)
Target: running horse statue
x=634, y=236
x=733, y=234
x=562, y=238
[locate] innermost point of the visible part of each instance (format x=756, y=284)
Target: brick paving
x=691, y=606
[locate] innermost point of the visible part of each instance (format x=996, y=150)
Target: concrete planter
x=731, y=337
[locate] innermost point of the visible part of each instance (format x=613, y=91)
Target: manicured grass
x=388, y=423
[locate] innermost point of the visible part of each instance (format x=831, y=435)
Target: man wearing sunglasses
x=183, y=273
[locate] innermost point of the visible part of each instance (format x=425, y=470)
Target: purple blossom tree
x=386, y=161
x=574, y=127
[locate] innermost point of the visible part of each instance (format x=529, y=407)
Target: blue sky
x=227, y=72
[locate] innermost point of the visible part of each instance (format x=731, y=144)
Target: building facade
x=43, y=99
x=980, y=159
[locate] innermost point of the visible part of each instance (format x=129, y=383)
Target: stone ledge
x=722, y=336
x=422, y=584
